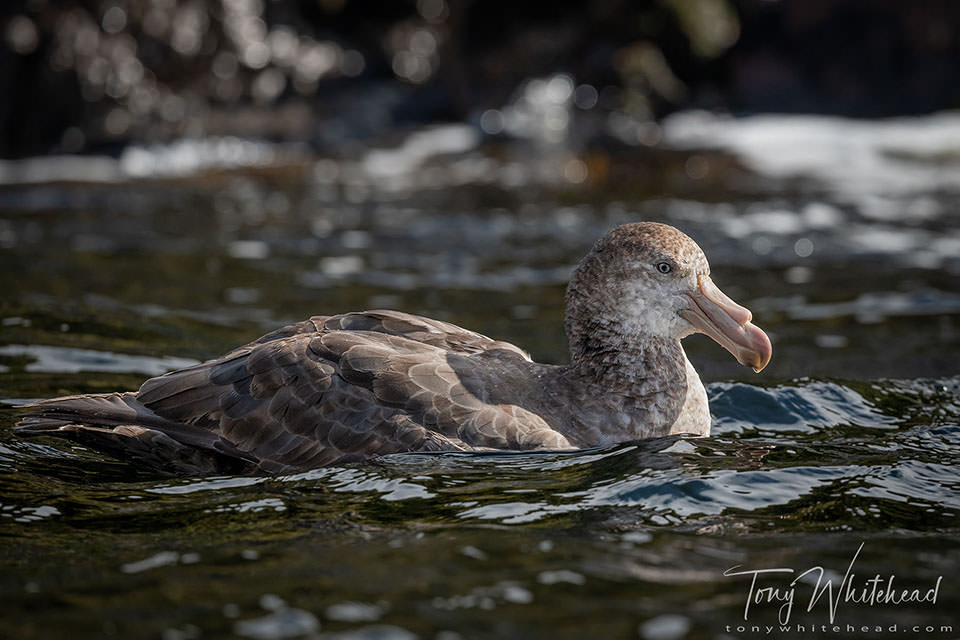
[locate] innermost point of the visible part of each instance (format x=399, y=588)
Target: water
x=851, y=436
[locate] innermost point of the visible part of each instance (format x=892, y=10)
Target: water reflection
x=46, y=359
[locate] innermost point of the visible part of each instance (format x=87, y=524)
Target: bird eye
x=664, y=267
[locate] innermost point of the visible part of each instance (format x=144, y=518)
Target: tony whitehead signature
x=876, y=590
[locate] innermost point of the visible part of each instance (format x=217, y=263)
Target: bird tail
x=103, y=409
x=118, y=424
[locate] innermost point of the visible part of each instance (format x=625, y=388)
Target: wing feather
x=336, y=388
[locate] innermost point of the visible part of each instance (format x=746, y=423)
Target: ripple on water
x=277, y=625
x=808, y=406
x=25, y=514
x=457, y=536
x=48, y=359
x=775, y=447
x=913, y=482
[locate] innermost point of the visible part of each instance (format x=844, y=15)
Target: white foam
x=179, y=158
x=893, y=156
x=189, y=156
x=403, y=160
x=60, y=169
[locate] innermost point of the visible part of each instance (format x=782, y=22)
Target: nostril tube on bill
x=741, y=315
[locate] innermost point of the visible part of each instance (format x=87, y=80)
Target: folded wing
x=326, y=390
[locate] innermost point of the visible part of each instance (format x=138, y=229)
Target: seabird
x=353, y=386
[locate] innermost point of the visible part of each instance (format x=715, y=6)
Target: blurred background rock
x=89, y=76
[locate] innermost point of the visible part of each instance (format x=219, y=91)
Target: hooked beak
x=716, y=315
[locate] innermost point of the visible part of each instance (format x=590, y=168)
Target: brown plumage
x=352, y=386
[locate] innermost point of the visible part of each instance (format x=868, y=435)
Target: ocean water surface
x=838, y=461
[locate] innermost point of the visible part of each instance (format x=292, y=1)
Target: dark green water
x=851, y=437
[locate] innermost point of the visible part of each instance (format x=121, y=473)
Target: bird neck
x=624, y=386
x=613, y=336
x=638, y=362
x=624, y=379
